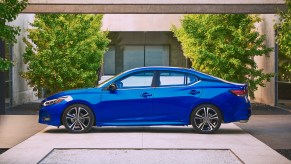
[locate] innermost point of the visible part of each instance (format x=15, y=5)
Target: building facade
x=137, y=40
x=141, y=40
x=17, y=90
x=146, y=40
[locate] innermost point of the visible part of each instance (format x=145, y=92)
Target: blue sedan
x=150, y=96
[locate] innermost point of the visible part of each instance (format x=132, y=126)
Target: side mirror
x=112, y=87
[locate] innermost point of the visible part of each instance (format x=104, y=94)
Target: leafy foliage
x=224, y=46
x=9, y=9
x=284, y=41
x=66, y=51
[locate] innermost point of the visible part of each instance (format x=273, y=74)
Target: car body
x=150, y=96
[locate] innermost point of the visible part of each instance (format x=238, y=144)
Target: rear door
x=175, y=96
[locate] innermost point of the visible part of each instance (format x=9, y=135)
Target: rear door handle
x=145, y=94
x=194, y=92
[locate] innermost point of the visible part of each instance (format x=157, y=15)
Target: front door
x=131, y=102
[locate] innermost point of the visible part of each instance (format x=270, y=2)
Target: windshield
x=104, y=82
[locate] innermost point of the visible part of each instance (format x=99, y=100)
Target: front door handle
x=145, y=94
x=194, y=92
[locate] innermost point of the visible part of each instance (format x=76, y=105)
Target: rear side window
x=171, y=78
x=191, y=79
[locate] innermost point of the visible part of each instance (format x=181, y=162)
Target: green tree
x=284, y=41
x=64, y=51
x=224, y=46
x=9, y=9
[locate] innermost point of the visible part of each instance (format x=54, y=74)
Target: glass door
x=145, y=55
x=156, y=55
x=133, y=57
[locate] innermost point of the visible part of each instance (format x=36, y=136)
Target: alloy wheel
x=206, y=119
x=78, y=119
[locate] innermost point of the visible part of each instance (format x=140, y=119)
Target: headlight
x=56, y=101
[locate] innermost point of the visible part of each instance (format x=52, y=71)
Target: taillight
x=239, y=92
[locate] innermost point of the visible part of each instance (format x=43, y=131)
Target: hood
x=73, y=92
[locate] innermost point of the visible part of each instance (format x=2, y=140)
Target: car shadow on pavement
x=146, y=130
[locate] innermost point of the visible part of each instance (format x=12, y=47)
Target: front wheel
x=78, y=118
x=206, y=119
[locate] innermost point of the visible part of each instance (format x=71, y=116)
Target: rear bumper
x=245, y=116
x=238, y=113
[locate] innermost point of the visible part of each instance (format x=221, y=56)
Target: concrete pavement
x=245, y=147
x=136, y=156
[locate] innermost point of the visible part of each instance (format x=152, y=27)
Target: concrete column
x=267, y=94
x=22, y=93
x=2, y=80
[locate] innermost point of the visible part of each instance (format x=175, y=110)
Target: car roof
x=167, y=68
x=161, y=68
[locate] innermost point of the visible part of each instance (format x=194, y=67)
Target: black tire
x=206, y=119
x=78, y=118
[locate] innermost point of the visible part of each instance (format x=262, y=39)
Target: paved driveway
x=17, y=128
x=274, y=130
x=230, y=139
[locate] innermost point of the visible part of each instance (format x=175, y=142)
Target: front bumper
x=50, y=115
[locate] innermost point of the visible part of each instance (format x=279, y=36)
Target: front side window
x=136, y=80
x=171, y=78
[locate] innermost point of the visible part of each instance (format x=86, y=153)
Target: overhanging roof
x=155, y=6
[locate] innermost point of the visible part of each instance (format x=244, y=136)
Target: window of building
x=8, y=78
x=157, y=55
x=109, y=61
x=133, y=57
x=140, y=56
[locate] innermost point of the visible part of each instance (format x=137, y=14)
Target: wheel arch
x=205, y=103
x=71, y=103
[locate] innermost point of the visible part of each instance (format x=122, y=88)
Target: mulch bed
x=24, y=109
x=285, y=152
x=2, y=150
x=263, y=109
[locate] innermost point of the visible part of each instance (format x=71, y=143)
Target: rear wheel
x=78, y=118
x=206, y=119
